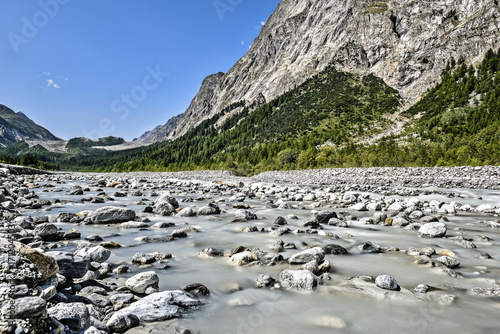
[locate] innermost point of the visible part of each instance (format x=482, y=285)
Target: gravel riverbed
x=344, y=250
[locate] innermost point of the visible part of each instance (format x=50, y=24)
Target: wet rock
x=302, y=280
x=134, y=225
x=311, y=222
x=334, y=249
x=94, y=237
x=125, y=298
x=280, y=221
x=210, y=252
x=179, y=233
x=144, y=258
x=264, y=280
x=110, y=244
x=432, y=230
x=244, y=215
x=122, y=322
x=48, y=232
x=421, y=288
x=324, y=216
x=448, y=261
x=369, y=247
x=94, y=254
x=164, y=209
x=243, y=258
x=386, y=282
x=166, y=197
x=209, y=209
x=143, y=283
x=487, y=292
x=121, y=269
x=111, y=215
x=313, y=254
x=186, y=212
x=358, y=207
x=197, y=289
x=159, y=306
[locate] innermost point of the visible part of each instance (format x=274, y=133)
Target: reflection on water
x=335, y=307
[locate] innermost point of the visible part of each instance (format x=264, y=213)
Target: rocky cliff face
x=16, y=127
x=406, y=43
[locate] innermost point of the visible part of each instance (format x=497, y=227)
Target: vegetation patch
x=377, y=7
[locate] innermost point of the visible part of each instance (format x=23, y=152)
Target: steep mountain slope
x=15, y=127
x=406, y=43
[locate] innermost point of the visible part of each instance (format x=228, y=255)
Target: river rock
x=166, y=197
x=386, y=282
x=432, y=230
x=209, y=209
x=70, y=266
x=111, y=215
x=158, y=306
x=448, y=261
x=244, y=215
x=143, y=283
x=77, y=311
x=46, y=264
x=313, y=254
x=25, y=307
x=48, y=232
x=243, y=258
x=186, y=212
x=280, y=221
x=324, y=216
x=334, y=249
x=303, y=280
x=94, y=254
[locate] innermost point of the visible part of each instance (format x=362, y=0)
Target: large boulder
x=111, y=215
x=324, y=216
x=313, y=254
x=78, y=311
x=432, y=230
x=26, y=307
x=303, y=280
x=94, y=254
x=48, y=232
x=209, y=209
x=386, y=282
x=243, y=258
x=143, y=283
x=166, y=197
x=70, y=266
x=244, y=215
x=155, y=307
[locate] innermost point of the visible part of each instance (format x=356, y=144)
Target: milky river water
x=236, y=305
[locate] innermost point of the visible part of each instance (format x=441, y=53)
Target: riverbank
x=292, y=251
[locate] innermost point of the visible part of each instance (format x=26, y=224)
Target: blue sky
x=117, y=67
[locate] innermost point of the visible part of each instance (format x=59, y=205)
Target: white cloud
x=262, y=23
x=46, y=73
x=242, y=42
x=52, y=84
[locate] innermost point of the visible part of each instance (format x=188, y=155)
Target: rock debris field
x=345, y=250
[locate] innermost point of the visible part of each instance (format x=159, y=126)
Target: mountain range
x=363, y=68
x=405, y=43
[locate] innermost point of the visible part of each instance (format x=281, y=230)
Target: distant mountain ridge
x=15, y=127
x=407, y=44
